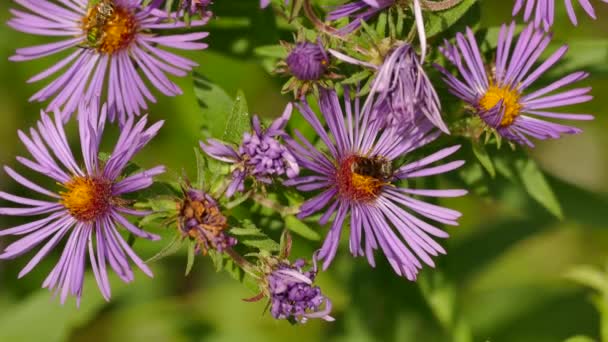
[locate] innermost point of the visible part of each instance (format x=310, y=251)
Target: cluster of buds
x=201, y=219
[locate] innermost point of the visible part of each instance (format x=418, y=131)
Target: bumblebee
x=100, y=12
x=376, y=167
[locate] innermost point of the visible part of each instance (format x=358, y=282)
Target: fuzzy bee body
x=104, y=10
x=376, y=167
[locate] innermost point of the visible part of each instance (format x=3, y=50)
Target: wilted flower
x=201, y=219
x=260, y=155
x=544, y=10
x=357, y=177
x=88, y=209
x=292, y=295
x=113, y=39
x=499, y=97
x=402, y=95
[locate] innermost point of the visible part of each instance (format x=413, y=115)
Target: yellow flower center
x=361, y=179
x=510, y=102
x=109, y=28
x=87, y=198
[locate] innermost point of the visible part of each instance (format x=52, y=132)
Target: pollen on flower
x=87, y=198
x=510, y=102
x=357, y=184
x=109, y=28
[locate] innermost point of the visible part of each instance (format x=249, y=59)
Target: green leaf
x=263, y=244
x=239, y=121
x=437, y=22
x=273, y=51
x=484, y=159
x=171, y=248
x=579, y=338
x=297, y=226
x=191, y=256
x=215, y=105
x=589, y=276
x=250, y=235
x=537, y=186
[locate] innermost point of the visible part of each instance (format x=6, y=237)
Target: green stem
x=267, y=202
x=243, y=263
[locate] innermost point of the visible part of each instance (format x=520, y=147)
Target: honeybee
x=103, y=11
x=376, y=167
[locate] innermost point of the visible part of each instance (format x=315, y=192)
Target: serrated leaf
x=589, y=276
x=263, y=244
x=239, y=121
x=357, y=77
x=437, y=22
x=536, y=185
x=171, y=248
x=297, y=226
x=162, y=204
x=481, y=154
x=215, y=105
x=191, y=256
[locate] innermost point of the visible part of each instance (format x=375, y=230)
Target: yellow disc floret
x=510, y=102
x=86, y=198
x=358, y=185
x=109, y=28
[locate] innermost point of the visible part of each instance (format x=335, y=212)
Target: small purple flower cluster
x=260, y=156
x=292, y=295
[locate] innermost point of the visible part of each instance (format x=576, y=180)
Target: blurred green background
x=502, y=280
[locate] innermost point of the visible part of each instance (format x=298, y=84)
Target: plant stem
x=283, y=210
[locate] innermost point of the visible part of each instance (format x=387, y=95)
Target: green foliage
x=438, y=22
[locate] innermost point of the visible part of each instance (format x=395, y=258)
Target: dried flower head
x=201, y=219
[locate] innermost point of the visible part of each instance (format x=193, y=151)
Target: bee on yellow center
x=361, y=178
x=87, y=198
x=108, y=27
x=510, y=102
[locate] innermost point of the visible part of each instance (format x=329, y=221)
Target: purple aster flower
x=88, y=209
x=308, y=61
x=402, y=95
x=500, y=96
x=110, y=42
x=264, y=3
x=260, y=154
x=544, y=10
x=292, y=295
x=201, y=219
x=356, y=177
